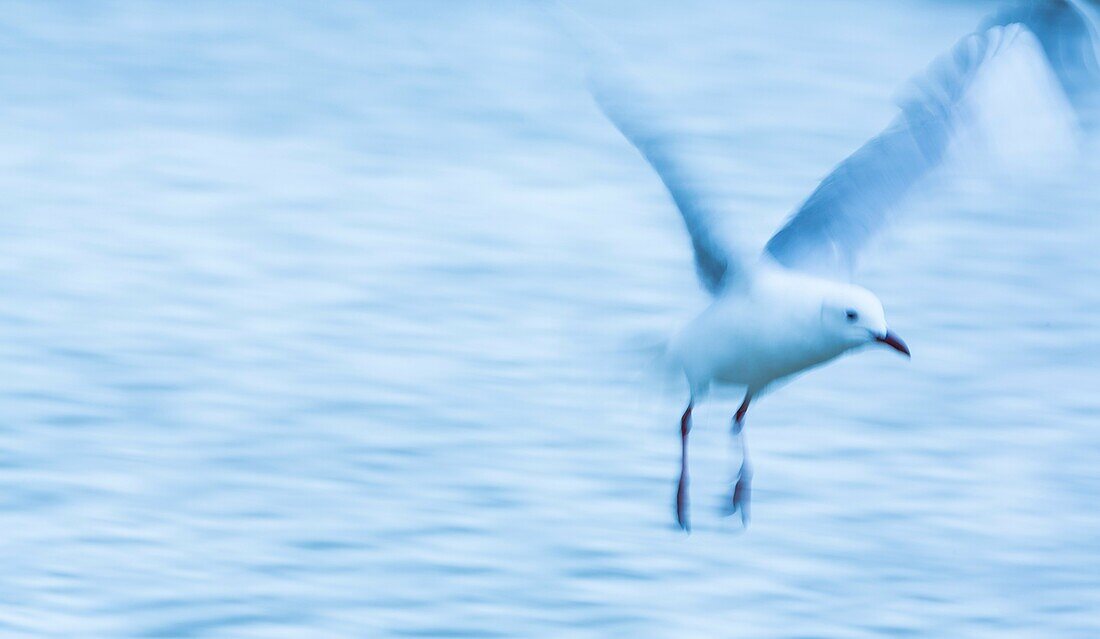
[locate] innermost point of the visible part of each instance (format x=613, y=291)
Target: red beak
x=892, y=340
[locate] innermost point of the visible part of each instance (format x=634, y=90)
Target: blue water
x=335, y=320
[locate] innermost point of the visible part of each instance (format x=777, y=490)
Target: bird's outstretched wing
x=634, y=112
x=1069, y=33
x=826, y=233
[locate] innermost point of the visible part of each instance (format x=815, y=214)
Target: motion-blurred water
x=335, y=320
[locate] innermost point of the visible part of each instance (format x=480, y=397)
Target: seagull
x=794, y=307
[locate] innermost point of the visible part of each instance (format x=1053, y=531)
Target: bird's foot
x=740, y=500
x=682, y=504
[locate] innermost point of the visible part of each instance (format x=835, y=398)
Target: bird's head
x=854, y=317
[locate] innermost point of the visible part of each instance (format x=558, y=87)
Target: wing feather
x=853, y=203
x=635, y=113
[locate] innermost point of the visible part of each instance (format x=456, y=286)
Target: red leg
x=739, y=416
x=682, y=485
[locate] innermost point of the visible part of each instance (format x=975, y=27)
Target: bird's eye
x=851, y=315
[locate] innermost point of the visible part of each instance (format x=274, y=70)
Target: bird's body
x=767, y=332
x=793, y=308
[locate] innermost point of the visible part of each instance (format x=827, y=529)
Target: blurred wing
x=1069, y=33
x=634, y=113
x=996, y=81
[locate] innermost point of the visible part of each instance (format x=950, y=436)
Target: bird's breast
x=747, y=345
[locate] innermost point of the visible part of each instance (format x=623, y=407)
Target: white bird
x=793, y=308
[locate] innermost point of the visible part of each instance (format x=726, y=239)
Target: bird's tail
x=656, y=364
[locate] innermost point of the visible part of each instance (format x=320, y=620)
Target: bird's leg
x=682, y=485
x=742, y=485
